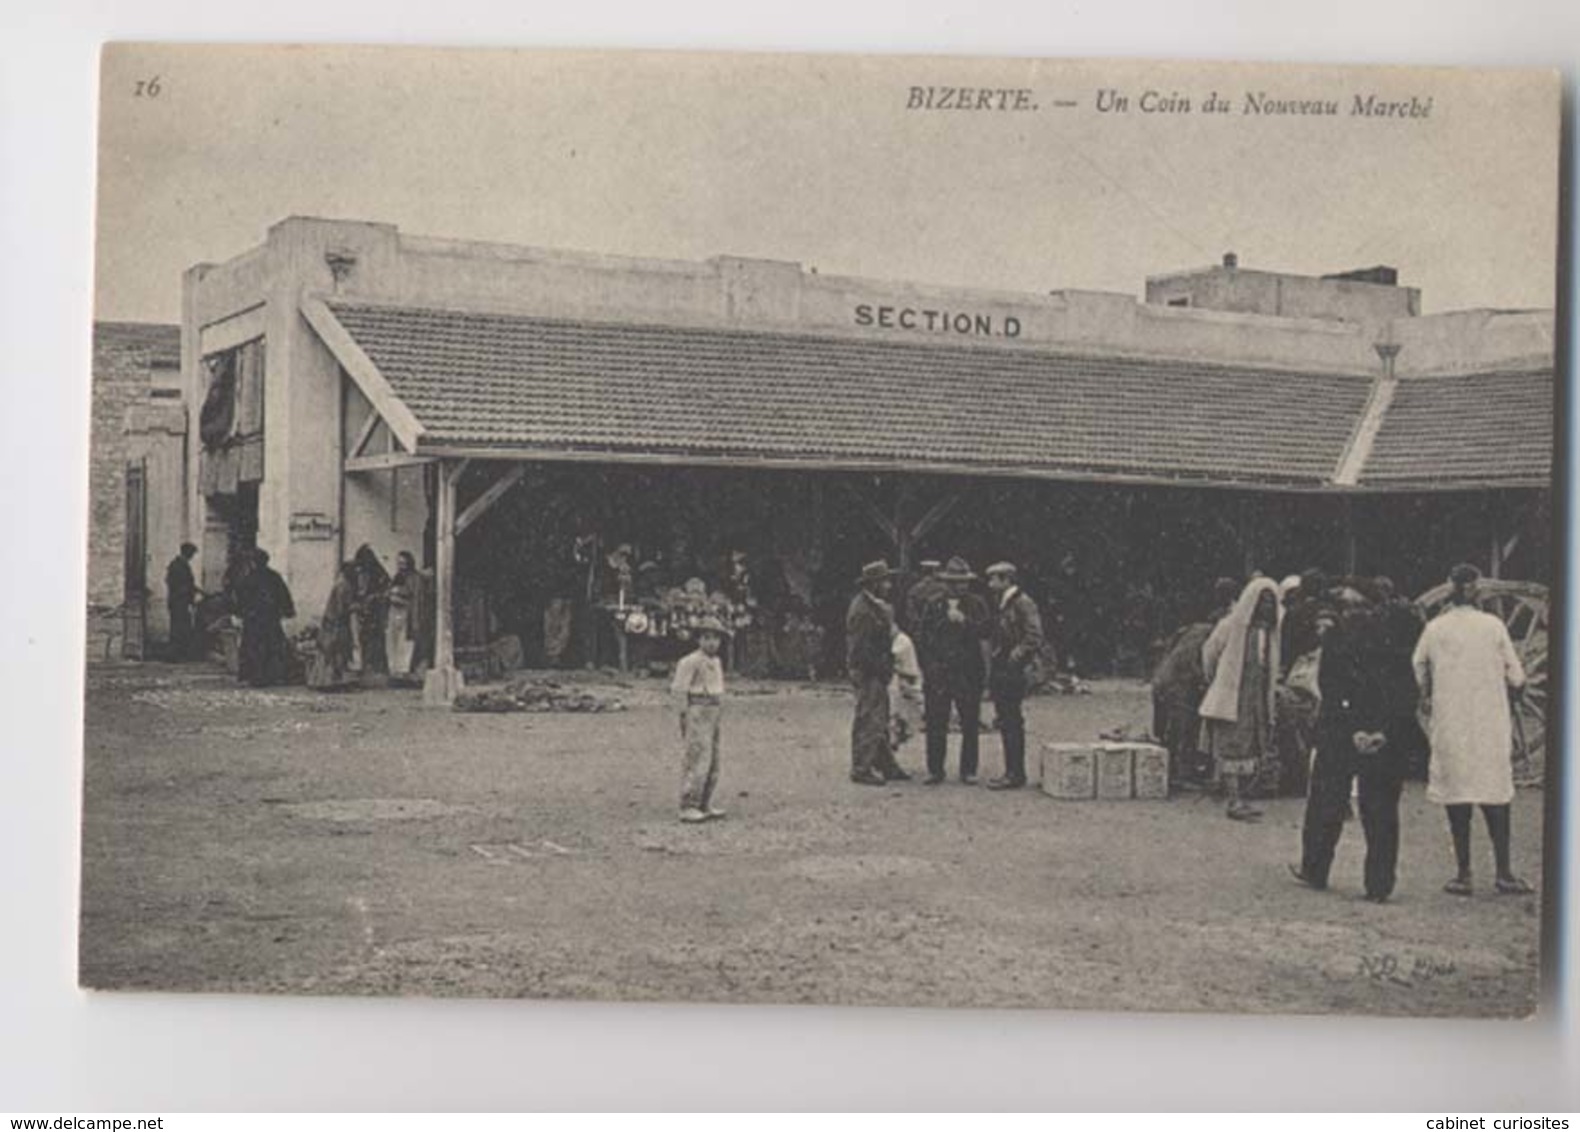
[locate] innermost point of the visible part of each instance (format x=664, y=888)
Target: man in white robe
x=1466, y=667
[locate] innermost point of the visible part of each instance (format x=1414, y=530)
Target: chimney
x=1230, y=260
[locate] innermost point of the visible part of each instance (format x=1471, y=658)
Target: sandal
x=1458, y=887
x=1513, y=886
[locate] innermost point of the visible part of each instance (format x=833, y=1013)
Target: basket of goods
x=685, y=607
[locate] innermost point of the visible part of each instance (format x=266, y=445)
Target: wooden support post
x=902, y=530
x=1493, y=507
x=1351, y=550
x=904, y=535
x=444, y=679
x=1247, y=549
x=819, y=521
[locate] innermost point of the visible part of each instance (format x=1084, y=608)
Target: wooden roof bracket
x=403, y=425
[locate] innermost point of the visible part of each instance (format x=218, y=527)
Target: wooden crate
x=1151, y=771
x=1069, y=770
x=1115, y=771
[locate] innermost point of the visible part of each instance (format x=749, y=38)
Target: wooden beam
x=384, y=461
x=875, y=513
x=403, y=426
x=474, y=510
x=874, y=466
x=935, y=515
x=360, y=445
x=1520, y=521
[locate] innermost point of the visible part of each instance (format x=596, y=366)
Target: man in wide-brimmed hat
x=952, y=642
x=1016, y=638
x=869, y=630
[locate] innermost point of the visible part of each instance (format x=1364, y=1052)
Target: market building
x=549, y=429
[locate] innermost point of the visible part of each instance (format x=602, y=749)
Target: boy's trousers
x=700, y=769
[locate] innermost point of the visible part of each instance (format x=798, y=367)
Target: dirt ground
x=289, y=841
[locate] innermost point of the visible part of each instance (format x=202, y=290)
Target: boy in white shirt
x=698, y=690
x=905, y=692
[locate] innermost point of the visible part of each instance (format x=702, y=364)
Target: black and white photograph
x=838, y=530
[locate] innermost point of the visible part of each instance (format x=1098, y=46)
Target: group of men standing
x=964, y=644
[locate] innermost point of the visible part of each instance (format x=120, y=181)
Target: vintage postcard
x=843, y=530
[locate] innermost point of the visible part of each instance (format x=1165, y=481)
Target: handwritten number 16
x=147, y=88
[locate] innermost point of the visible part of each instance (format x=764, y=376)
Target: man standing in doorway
x=869, y=631
x=181, y=595
x=1017, y=639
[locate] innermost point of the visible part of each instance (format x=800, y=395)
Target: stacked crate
x=1110, y=771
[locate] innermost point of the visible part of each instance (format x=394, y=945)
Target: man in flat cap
x=922, y=593
x=1016, y=638
x=953, y=645
x=869, y=652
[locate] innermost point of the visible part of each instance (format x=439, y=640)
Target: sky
x=818, y=160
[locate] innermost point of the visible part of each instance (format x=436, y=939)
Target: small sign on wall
x=311, y=526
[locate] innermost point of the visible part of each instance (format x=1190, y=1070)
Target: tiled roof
x=1482, y=429
x=524, y=384
x=161, y=342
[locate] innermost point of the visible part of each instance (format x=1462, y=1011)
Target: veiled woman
x=263, y=601
x=1241, y=663
x=331, y=668
x=368, y=619
x=407, y=603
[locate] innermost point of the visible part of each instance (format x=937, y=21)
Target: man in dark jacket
x=180, y=595
x=869, y=653
x=952, y=635
x=921, y=594
x=1017, y=639
x=1353, y=739
x=1401, y=626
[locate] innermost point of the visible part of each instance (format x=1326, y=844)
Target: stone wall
x=129, y=360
